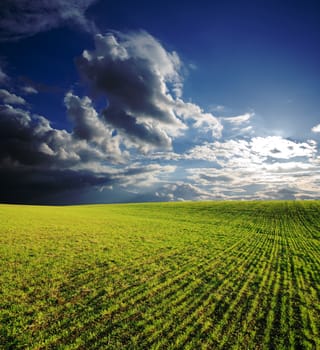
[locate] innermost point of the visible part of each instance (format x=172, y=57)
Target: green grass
x=210, y=275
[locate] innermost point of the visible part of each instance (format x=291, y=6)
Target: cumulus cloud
x=28, y=139
x=89, y=127
x=38, y=161
x=10, y=98
x=202, y=122
x=35, y=157
x=316, y=128
x=143, y=87
x=23, y=18
x=134, y=72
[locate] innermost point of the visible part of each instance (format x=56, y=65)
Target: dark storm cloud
x=37, y=160
x=128, y=123
x=17, y=137
x=23, y=18
x=30, y=139
x=135, y=72
x=40, y=164
x=27, y=185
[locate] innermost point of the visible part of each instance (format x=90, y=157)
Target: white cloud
x=10, y=98
x=237, y=126
x=254, y=151
x=240, y=119
x=29, y=90
x=256, y=168
x=280, y=148
x=316, y=128
x=202, y=121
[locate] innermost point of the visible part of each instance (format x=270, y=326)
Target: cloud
x=140, y=177
x=254, y=151
x=238, y=126
x=216, y=178
x=138, y=77
x=67, y=185
x=35, y=157
x=244, y=118
x=10, y=98
x=38, y=87
x=86, y=124
x=29, y=90
x=181, y=191
x=37, y=161
x=136, y=142
x=142, y=84
x=258, y=168
x=316, y=128
x=267, y=181
x=22, y=18
x=202, y=122
x=25, y=185
x=280, y=148
x=3, y=76
x=89, y=127
x=217, y=108
x=26, y=137
x=144, y=112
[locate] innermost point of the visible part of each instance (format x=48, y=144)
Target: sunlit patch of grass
x=211, y=275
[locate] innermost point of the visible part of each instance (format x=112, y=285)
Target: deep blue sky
x=257, y=61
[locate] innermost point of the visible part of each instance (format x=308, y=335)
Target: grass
x=210, y=275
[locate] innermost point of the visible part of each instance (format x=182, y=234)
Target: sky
x=120, y=101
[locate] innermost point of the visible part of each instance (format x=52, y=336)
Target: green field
x=209, y=275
